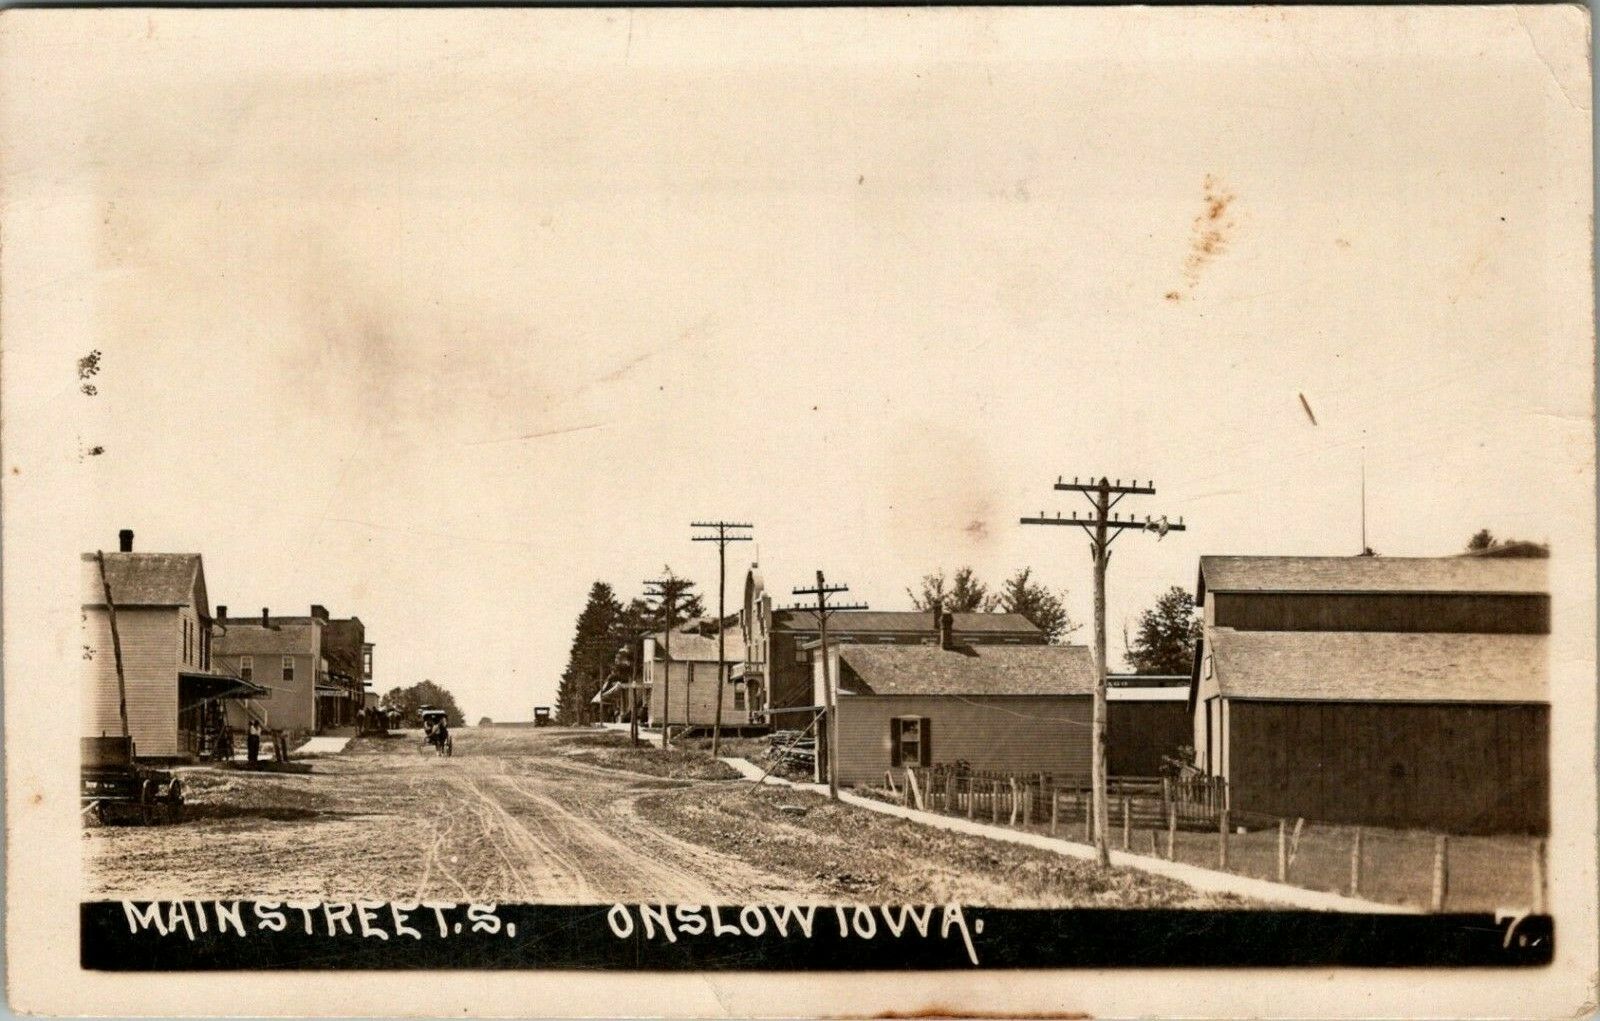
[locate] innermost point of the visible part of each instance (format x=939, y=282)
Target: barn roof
x=905, y=621
x=1370, y=574
x=970, y=670
x=1369, y=666
x=146, y=579
x=691, y=646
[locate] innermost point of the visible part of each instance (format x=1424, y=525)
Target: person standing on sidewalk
x=252, y=742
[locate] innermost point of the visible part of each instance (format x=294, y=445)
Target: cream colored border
x=49, y=206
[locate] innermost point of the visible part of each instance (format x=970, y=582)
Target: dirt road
x=563, y=816
x=514, y=815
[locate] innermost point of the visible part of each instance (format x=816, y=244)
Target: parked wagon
x=116, y=789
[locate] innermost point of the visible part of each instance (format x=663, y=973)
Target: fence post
x=1088, y=819
x=1172, y=829
x=1055, y=810
x=1166, y=792
x=1355, y=864
x=1153, y=852
x=1222, y=839
x=994, y=802
x=1027, y=804
x=970, y=799
x=1127, y=816
x=1283, y=851
x=1538, y=877
x=1441, y=870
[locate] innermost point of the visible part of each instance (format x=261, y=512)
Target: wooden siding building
x=286, y=659
x=164, y=629
x=680, y=675
x=1387, y=691
x=1021, y=709
x=1147, y=722
x=779, y=664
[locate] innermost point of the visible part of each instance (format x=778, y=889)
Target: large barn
x=1386, y=691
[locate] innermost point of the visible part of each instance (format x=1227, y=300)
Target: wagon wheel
x=147, y=802
x=102, y=812
x=449, y=747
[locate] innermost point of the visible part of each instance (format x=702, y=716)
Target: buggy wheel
x=449, y=747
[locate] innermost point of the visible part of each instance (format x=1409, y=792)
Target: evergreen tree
x=1044, y=609
x=594, y=643
x=677, y=593
x=1167, y=635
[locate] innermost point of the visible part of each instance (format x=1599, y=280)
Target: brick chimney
x=222, y=612
x=264, y=622
x=319, y=612
x=946, y=626
x=125, y=540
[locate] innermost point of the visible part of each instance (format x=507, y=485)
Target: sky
x=439, y=325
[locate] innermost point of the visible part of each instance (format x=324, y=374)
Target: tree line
x=608, y=633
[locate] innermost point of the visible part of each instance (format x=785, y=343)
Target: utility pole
x=722, y=537
x=822, y=592
x=1103, y=527
x=668, y=594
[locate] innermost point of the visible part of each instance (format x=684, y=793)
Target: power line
x=725, y=532
x=1103, y=526
x=831, y=730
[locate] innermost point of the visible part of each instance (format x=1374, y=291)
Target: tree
x=1167, y=635
x=595, y=641
x=1044, y=609
x=409, y=703
x=674, y=592
x=1483, y=539
x=963, y=593
x=484, y=721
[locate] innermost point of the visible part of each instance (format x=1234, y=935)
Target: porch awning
x=194, y=688
x=331, y=690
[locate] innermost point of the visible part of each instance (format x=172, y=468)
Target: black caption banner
x=260, y=935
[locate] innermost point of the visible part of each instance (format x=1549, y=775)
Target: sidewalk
x=1208, y=880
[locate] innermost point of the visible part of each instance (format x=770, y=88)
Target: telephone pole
x=665, y=590
x=722, y=537
x=1103, y=527
x=831, y=726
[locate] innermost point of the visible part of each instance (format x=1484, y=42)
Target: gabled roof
x=904, y=622
x=1369, y=666
x=690, y=646
x=1371, y=574
x=242, y=639
x=147, y=579
x=969, y=670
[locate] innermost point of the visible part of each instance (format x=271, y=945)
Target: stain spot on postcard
x=1211, y=233
x=88, y=368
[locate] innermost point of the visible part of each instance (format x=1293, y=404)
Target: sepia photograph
x=805, y=511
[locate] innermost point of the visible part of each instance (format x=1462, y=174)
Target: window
x=185, y=622
x=738, y=697
x=366, y=662
x=801, y=656
x=247, y=668
x=910, y=741
x=288, y=668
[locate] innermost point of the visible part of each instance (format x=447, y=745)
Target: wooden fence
x=1155, y=808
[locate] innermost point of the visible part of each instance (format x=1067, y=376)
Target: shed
x=1147, y=722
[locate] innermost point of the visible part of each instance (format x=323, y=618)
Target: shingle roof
x=1371, y=574
x=689, y=646
x=144, y=579
x=1367, y=666
x=904, y=621
x=971, y=670
x=242, y=639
